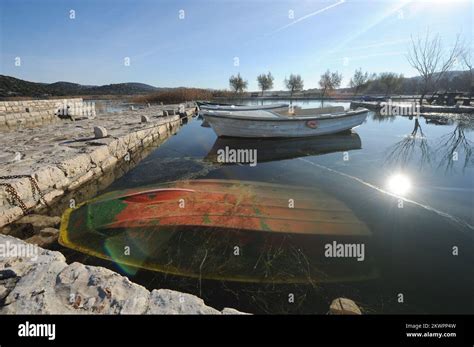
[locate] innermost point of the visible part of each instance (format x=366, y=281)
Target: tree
x=390, y=82
x=428, y=57
x=328, y=82
x=294, y=84
x=237, y=83
x=466, y=57
x=359, y=81
x=265, y=82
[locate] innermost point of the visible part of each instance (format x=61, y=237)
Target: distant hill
x=10, y=86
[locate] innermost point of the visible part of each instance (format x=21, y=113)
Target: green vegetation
x=294, y=84
x=237, y=84
x=265, y=82
x=328, y=82
x=14, y=87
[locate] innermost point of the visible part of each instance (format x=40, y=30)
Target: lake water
x=411, y=182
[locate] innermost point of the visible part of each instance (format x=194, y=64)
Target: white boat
x=301, y=123
x=206, y=106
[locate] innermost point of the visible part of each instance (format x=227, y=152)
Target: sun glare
x=399, y=184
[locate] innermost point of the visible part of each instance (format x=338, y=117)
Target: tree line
x=426, y=55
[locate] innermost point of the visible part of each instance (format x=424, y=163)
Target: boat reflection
x=287, y=148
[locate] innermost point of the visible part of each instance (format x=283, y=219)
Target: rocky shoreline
x=39, y=281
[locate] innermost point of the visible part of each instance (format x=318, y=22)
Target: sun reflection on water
x=399, y=184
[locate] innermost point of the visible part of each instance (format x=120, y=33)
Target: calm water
x=411, y=242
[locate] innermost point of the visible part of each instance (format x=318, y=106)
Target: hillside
x=10, y=86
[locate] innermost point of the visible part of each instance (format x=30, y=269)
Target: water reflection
x=281, y=149
x=399, y=184
x=449, y=148
x=416, y=143
x=455, y=144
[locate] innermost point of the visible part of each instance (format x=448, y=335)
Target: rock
x=228, y=310
x=100, y=132
x=166, y=301
x=7, y=273
x=145, y=119
x=3, y=292
x=45, y=284
x=18, y=157
x=99, y=290
x=49, y=232
x=45, y=238
x=78, y=165
x=344, y=306
x=39, y=221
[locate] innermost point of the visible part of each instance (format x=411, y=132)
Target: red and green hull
x=220, y=229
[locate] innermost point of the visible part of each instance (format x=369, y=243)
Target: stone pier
x=39, y=164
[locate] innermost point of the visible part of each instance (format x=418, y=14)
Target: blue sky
x=200, y=50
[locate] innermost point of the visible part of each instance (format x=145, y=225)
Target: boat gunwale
x=281, y=118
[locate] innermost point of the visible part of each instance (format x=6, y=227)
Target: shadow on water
x=410, y=247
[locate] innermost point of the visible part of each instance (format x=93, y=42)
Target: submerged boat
x=207, y=106
x=271, y=123
x=285, y=148
x=221, y=230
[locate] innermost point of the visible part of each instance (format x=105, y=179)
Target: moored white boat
x=206, y=106
x=302, y=123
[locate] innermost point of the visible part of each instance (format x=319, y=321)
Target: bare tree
x=414, y=145
x=328, y=82
x=359, y=81
x=466, y=57
x=265, y=82
x=294, y=84
x=428, y=57
x=237, y=83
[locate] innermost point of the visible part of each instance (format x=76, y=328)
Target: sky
x=201, y=43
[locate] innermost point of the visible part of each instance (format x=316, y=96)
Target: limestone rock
x=40, y=282
x=49, y=232
x=100, y=132
x=39, y=221
x=344, y=306
x=45, y=238
x=231, y=311
x=99, y=290
x=166, y=301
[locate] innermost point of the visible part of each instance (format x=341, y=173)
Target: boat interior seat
x=312, y=111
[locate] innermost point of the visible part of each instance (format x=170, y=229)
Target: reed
x=178, y=95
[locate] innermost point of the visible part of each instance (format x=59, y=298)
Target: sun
x=399, y=184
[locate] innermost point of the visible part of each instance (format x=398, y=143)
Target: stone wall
x=36, y=112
